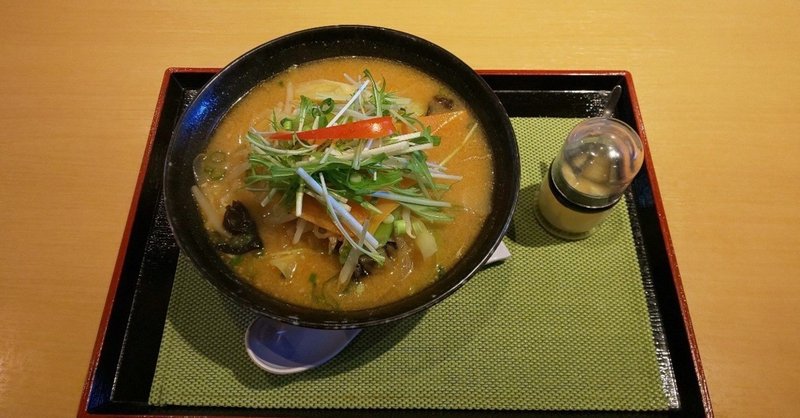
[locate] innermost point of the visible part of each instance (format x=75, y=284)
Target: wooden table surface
x=718, y=84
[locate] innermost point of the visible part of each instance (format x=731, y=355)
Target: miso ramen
x=345, y=183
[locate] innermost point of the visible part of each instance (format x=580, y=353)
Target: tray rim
x=649, y=166
x=662, y=217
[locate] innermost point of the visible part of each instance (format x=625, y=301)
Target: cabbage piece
x=286, y=262
x=322, y=89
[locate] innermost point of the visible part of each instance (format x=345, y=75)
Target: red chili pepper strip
x=363, y=129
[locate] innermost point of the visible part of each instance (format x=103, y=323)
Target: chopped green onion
x=218, y=157
x=214, y=173
x=235, y=260
x=383, y=233
x=326, y=106
x=399, y=227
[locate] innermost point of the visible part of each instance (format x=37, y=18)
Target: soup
x=345, y=183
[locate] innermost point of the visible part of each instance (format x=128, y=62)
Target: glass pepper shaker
x=597, y=162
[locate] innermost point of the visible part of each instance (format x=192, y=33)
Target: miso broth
x=300, y=259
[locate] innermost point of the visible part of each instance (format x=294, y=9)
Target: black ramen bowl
x=222, y=92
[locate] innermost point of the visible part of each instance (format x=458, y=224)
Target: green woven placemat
x=560, y=325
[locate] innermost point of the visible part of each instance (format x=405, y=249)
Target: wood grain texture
x=718, y=84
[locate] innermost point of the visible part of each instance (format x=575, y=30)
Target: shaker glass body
x=596, y=164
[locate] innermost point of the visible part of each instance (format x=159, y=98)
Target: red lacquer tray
x=126, y=350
